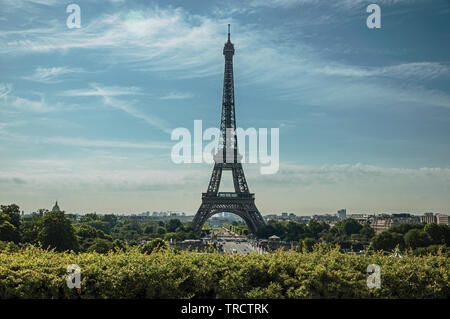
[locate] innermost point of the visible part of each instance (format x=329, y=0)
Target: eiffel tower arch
x=240, y=202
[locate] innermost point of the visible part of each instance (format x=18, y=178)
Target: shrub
x=33, y=272
x=155, y=245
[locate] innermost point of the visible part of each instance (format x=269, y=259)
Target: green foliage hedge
x=35, y=273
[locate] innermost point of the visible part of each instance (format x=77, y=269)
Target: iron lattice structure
x=240, y=202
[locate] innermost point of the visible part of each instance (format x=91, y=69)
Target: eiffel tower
x=240, y=202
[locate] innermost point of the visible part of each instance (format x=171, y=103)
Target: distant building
x=56, y=207
x=402, y=215
x=326, y=218
x=428, y=218
x=381, y=224
x=361, y=218
x=384, y=223
x=284, y=215
x=442, y=219
x=342, y=214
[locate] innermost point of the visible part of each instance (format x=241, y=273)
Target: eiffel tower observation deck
x=240, y=202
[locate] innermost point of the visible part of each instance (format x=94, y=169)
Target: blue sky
x=364, y=114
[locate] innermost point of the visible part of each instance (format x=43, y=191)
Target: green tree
x=357, y=237
x=404, y=228
x=89, y=218
x=173, y=224
x=417, y=238
x=161, y=230
x=348, y=226
x=13, y=212
x=111, y=220
x=101, y=246
x=316, y=228
x=7, y=230
x=29, y=229
x=86, y=235
x=295, y=230
x=85, y=231
x=367, y=231
x=149, y=229
x=387, y=241
x=436, y=232
x=10, y=223
x=57, y=232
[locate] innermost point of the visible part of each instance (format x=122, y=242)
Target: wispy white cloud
x=172, y=39
x=353, y=173
x=98, y=90
x=10, y=101
x=83, y=142
x=312, y=80
x=100, y=173
x=5, y=89
x=343, y=4
x=6, y=125
x=5, y=134
x=51, y=75
x=177, y=96
x=108, y=95
x=30, y=105
x=26, y=4
x=20, y=3
x=125, y=106
x=417, y=71
x=155, y=38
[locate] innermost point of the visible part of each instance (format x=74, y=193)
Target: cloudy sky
x=364, y=114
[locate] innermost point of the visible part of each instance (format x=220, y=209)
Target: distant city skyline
x=340, y=213
x=363, y=114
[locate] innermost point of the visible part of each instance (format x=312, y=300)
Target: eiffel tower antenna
x=240, y=202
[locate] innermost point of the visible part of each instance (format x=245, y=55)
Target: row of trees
x=91, y=233
x=415, y=236
x=349, y=233
x=238, y=228
x=346, y=232
x=104, y=233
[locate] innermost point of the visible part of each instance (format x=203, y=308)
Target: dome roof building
x=56, y=207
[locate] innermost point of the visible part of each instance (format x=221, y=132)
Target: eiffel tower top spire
x=228, y=49
x=228, y=151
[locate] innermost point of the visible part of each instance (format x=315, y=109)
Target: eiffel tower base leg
x=246, y=209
